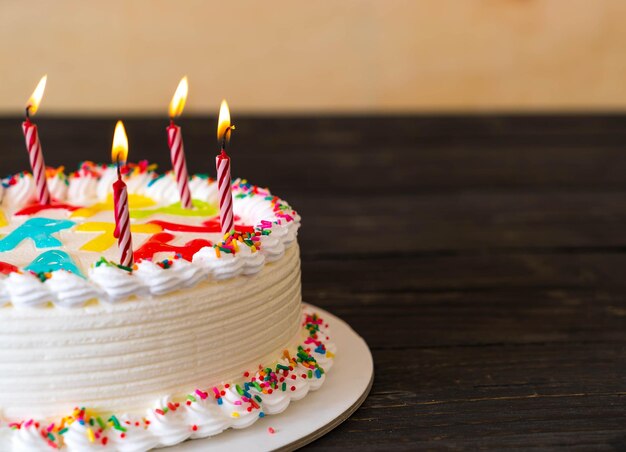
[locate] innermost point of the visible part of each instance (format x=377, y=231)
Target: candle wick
x=119, y=171
x=28, y=112
x=224, y=141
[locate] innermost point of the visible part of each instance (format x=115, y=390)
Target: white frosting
x=58, y=187
x=209, y=419
x=164, y=188
x=76, y=438
x=71, y=290
x=203, y=189
x=107, y=177
x=21, y=193
x=28, y=439
x=169, y=428
x=26, y=290
x=117, y=283
x=83, y=188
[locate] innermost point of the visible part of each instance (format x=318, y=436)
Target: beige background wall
x=125, y=56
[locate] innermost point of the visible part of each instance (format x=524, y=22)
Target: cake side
x=122, y=358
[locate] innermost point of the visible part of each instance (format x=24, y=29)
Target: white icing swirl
x=252, y=260
x=233, y=407
x=58, y=187
x=187, y=273
x=156, y=279
x=171, y=427
x=273, y=402
x=26, y=290
x=77, y=438
x=117, y=283
x=271, y=246
x=136, y=438
x=207, y=417
x=105, y=183
x=83, y=187
x=228, y=265
x=164, y=188
x=203, y=189
x=71, y=290
x=29, y=439
x=21, y=193
x=137, y=182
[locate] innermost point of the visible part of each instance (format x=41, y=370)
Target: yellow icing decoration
x=200, y=209
x=106, y=240
x=3, y=219
x=134, y=202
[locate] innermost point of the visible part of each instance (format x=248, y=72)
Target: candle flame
x=35, y=98
x=223, y=123
x=119, y=151
x=180, y=97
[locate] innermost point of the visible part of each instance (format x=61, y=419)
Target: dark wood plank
x=480, y=318
x=468, y=272
x=529, y=396
x=461, y=222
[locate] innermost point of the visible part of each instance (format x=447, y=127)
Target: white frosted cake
x=203, y=333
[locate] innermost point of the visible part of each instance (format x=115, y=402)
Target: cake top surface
x=65, y=254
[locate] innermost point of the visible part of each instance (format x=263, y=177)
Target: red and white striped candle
x=122, y=223
x=121, y=212
x=175, y=142
x=177, y=153
x=222, y=163
x=33, y=145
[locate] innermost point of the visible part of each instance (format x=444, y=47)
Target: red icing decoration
x=6, y=268
x=242, y=228
x=159, y=243
x=36, y=208
x=207, y=226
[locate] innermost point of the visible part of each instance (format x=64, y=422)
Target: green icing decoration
x=201, y=209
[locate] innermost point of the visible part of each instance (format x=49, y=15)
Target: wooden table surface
x=482, y=258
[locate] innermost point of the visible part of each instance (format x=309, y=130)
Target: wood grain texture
x=482, y=258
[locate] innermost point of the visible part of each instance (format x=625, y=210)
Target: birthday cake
x=203, y=332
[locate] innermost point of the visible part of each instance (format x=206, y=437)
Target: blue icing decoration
x=39, y=230
x=52, y=260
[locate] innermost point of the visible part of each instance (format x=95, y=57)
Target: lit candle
x=222, y=163
x=175, y=142
x=119, y=152
x=33, y=146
